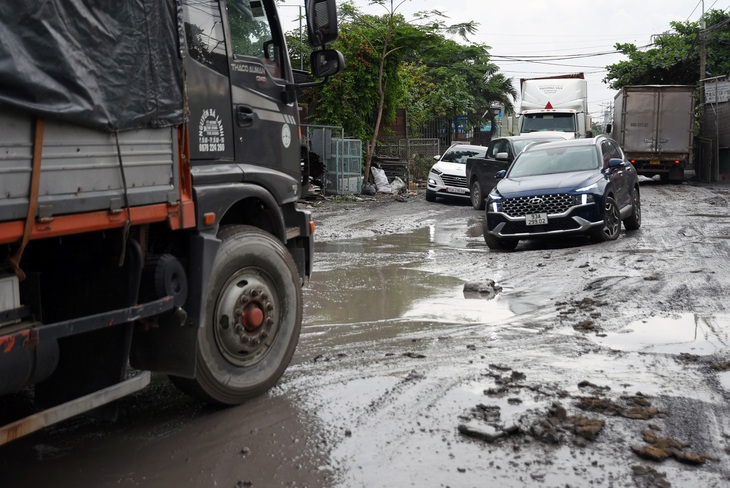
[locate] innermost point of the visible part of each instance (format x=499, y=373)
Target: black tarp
x=111, y=65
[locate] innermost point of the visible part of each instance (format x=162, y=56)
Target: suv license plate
x=456, y=190
x=654, y=162
x=536, y=219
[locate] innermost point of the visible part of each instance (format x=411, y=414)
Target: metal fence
x=414, y=157
x=342, y=158
x=407, y=149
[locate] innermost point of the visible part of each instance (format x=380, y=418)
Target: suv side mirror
x=615, y=162
x=321, y=21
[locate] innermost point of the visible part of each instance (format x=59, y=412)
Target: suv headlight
x=584, y=198
x=494, y=201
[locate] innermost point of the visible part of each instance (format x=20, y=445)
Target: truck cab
x=151, y=221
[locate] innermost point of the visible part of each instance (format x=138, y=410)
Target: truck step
x=70, y=409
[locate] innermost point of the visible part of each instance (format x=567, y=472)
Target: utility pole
x=709, y=171
x=703, y=45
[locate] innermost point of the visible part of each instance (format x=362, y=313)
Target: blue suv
x=574, y=187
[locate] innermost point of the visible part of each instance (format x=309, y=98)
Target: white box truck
x=555, y=104
x=654, y=124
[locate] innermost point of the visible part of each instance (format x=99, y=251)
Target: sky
x=520, y=29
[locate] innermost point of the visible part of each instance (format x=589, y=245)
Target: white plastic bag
x=381, y=181
x=397, y=185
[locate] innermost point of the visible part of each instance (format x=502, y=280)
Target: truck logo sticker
x=211, y=137
x=286, y=135
x=252, y=68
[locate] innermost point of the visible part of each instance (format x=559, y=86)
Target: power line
x=693, y=10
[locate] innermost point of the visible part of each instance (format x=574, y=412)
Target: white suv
x=447, y=178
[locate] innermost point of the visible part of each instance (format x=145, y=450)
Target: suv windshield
x=554, y=160
x=459, y=154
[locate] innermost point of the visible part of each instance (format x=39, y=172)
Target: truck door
x=264, y=124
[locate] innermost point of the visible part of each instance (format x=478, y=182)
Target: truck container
x=654, y=124
x=555, y=104
x=150, y=169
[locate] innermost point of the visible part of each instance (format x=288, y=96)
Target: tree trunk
x=370, y=149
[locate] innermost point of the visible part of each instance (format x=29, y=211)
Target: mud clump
x=636, y=407
x=721, y=366
x=504, y=383
x=689, y=358
x=659, y=449
x=586, y=306
x=593, y=386
x=648, y=477
x=552, y=426
x=487, y=290
x=586, y=326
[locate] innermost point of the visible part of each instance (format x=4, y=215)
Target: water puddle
x=388, y=277
x=688, y=333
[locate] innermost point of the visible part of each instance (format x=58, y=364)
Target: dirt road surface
x=428, y=360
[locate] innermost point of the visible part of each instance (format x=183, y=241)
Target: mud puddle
x=687, y=333
x=397, y=277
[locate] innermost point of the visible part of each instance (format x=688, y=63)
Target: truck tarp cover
x=104, y=64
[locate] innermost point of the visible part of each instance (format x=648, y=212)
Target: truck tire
x=253, y=319
x=477, y=199
x=633, y=221
x=611, y=227
x=430, y=196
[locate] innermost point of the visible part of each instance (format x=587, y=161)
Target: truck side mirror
x=326, y=62
x=321, y=21
x=502, y=156
x=609, y=128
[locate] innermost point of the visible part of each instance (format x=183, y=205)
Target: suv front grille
x=550, y=204
x=451, y=180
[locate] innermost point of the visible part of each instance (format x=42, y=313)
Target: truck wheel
x=477, y=199
x=430, y=196
x=611, y=227
x=499, y=244
x=253, y=318
x=633, y=221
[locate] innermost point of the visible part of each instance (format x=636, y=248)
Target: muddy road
x=428, y=360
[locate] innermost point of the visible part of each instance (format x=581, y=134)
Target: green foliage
x=423, y=71
x=420, y=166
x=675, y=59
x=351, y=98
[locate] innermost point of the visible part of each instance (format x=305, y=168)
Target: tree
x=675, y=59
x=466, y=82
x=394, y=63
x=383, y=43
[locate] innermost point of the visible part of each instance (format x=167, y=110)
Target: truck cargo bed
x=81, y=170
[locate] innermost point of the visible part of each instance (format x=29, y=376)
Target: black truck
x=150, y=169
x=501, y=151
